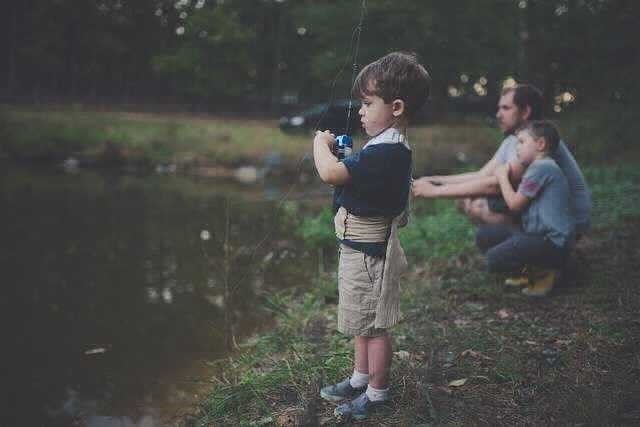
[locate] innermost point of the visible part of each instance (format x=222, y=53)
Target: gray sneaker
x=358, y=408
x=340, y=391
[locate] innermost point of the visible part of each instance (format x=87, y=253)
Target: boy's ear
x=541, y=144
x=397, y=107
x=526, y=112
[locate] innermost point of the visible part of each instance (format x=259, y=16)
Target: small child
x=372, y=193
x=542, y=198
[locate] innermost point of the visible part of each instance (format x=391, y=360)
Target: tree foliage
x=258, y=53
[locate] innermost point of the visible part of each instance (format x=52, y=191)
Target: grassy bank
x=141, y=138
x=467, y=352
x=189, y=142
x=201, y=143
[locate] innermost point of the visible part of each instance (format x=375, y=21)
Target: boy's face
x=529, y=147
x=509, y=116
x=375, y=115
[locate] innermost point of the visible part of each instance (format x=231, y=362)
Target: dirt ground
x=472, y=353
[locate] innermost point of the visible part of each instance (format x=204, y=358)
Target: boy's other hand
x=516, y=171
x=424, y=187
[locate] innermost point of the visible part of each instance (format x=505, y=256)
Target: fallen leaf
x=503, y=313
x=474, y=354
x=458, y=383
x=97, y=350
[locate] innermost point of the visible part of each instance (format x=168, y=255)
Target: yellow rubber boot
x=542, y=282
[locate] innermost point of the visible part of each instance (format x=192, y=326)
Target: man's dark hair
x=543, y=129
x=526, y=95
x=397, y=75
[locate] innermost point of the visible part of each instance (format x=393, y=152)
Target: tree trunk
x=277, y=57
x=13, y=27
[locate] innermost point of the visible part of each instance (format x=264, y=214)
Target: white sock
x=375, y=394
x=358, y=379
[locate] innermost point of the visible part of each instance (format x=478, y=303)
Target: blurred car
x=331, y=116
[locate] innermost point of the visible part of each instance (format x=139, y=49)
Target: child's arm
x=516, y=201
x=329, y=168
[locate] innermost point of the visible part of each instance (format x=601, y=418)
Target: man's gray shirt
x=548, y=213
x=579, y=194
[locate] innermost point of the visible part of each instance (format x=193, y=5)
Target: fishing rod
x=344, y=143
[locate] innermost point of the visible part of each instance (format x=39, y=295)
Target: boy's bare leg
x=361, y=354
x=379, y=349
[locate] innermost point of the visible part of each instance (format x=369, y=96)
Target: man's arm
x=481, y=186
x=329, y=168
x=485, y=171
x=516, y=201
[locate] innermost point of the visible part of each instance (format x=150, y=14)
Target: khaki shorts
x=359, y=285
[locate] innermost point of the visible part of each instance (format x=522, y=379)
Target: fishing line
x=354, y=71
x=354, y=49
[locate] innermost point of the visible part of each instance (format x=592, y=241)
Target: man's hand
x=435, y=179
x=424, y=187
x=326, y=138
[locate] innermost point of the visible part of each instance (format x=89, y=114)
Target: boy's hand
x=423, y=187
x=326, y=138
x=502, y=171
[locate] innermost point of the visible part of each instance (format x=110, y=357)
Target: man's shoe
x=542, y=283
x=517, y=281
x=359, y=408
x=340, y=391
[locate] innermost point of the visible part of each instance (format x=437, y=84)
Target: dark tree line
x=254, y=55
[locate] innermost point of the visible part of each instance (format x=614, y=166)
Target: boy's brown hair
x=543, y=129
x=397, y=75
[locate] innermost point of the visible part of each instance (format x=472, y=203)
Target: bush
x=436, y=230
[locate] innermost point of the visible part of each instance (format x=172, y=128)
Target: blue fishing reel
x=344, y=146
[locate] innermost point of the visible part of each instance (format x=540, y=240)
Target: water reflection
x=117, y=304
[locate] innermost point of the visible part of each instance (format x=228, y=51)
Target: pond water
x=115, y=302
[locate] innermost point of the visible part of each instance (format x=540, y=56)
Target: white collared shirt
x=388, y=136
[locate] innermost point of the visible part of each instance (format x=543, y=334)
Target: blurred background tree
x=262, y=55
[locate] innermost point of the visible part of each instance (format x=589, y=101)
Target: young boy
x=372, y=191
x=542, y=199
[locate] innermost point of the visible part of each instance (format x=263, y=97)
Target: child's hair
x=543, y=129
x=397, y=75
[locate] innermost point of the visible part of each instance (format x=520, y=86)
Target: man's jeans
x=509, y=250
